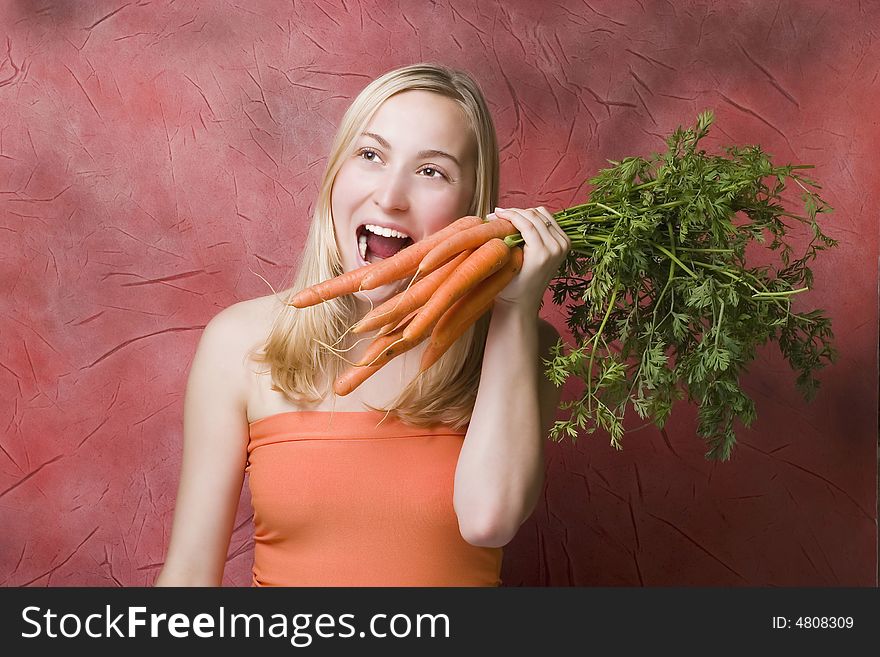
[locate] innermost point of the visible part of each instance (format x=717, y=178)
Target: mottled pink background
x=155, y=156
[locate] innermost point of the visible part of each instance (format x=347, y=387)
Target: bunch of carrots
x=661, y=300
x=454, y=275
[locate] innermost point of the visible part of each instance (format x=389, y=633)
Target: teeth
x=362, y=247
x=385, y=232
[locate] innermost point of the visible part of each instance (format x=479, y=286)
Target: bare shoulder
x=222, y=364
x=245, y=321
x=234, y=332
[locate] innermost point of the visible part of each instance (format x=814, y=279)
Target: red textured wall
x=154, y=156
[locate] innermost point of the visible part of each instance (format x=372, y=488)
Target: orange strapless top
x=340, y=501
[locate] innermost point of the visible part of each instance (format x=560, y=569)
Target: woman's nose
x=391, y=193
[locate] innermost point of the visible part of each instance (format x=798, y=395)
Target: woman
x=428, y=497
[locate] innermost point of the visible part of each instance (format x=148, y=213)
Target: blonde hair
x=446, y=392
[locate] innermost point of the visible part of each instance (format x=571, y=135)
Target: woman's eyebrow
x=431, y=152
x=435, y=153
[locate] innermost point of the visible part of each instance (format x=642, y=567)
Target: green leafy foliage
x=661, y=300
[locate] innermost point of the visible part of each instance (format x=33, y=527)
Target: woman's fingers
x=527, y=224
x=546, y=246
x=555, y=231
x=538, y=228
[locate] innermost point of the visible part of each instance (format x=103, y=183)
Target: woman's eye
x=368, y=154
x=431, y=171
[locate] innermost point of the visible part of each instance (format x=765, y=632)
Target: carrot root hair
x=402, y=295
x=336, y=352
x=384, y=353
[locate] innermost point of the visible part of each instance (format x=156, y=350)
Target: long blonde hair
x=304, y=370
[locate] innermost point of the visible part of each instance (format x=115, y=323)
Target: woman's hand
x=546, y=247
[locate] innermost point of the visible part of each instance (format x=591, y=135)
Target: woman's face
x=411, y=171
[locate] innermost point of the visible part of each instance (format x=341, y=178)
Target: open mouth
x=377, y=242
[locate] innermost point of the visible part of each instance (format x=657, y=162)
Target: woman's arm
x=500, y=468
x=215, y=437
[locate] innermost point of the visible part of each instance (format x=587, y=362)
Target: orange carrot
x=400, y=265
x=352, y=378
x=475, y=300
x=373, y=360
x=405, y=302
x=454, y=322
x=437, y=347
x=471, y=238
x=394, y=325
x=467, y=310
x=331, y=288
x=385, y=347
x=478, y=266
x=404, y=262
x=364, y=369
